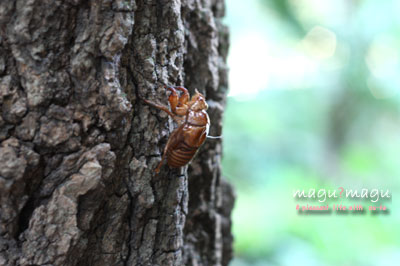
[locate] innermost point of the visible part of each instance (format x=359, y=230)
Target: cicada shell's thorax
x=198, y=118
x=194, y=132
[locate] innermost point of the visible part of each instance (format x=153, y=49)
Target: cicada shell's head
x=198, y=102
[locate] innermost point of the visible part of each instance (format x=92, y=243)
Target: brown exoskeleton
x=193, y=122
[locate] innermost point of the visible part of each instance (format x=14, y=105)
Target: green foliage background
x=314, y=103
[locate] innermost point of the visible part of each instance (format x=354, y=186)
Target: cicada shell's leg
x=173, y=99
x=185, y=95
x=161, y=107
x=178, y=104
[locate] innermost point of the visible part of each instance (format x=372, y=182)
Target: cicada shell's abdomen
x=181, y=155
x=190, y=138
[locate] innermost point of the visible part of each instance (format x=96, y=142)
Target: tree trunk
x=78, y=148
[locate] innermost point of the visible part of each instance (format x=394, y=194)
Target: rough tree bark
x=78, y=148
